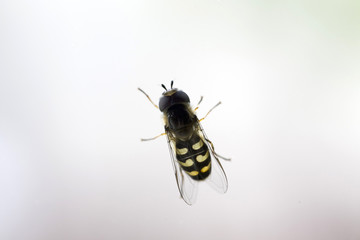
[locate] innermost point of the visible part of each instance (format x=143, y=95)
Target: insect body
x=192, y=153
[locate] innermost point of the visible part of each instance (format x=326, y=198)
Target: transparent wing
x=217, y=179
x=187, y=186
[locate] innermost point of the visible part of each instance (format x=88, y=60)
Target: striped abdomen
x=194, y=157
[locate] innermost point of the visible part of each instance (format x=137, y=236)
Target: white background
x=71, y=162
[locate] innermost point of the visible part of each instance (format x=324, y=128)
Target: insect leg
x=213, y=151
x=210, y=111
x=197, y=106
x=149, y=139
x=148, y=98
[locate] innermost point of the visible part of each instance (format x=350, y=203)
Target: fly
x=193, y=155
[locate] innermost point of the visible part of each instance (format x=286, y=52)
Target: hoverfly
x=192, y=153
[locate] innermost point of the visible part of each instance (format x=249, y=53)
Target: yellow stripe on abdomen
x=181, y=151
x=193, y=173
x=206, y=168
x=187, y=163
x=201, y=158
x=198, y=145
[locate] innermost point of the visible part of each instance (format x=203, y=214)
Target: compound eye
x=174, y=97
x=180, y=97
x=164, y=103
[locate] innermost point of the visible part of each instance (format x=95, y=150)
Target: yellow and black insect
x=192, y=153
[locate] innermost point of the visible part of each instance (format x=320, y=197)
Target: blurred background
x=71, y=162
